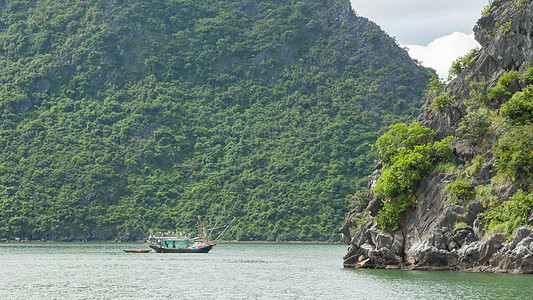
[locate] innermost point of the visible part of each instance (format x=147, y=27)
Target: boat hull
x=136, y=251
x=204, y=249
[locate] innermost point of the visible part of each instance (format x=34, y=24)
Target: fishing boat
x=136, y=250
x=176, y=243
x=179, y=243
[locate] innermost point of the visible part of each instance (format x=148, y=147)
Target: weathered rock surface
x=433, y=236
x=517, y=256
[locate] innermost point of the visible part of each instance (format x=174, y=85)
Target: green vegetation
x=486, y=9
x=527, y=76
x=500, y=93
x=443, y=98
x=463, y=63
x=461, y=192
x=478, y=92
x=436, y=86
x=485, y=194
x=474, y=166
x=448, y=167
x=360, y=199
x=441, y=101
x=514, y=154
x=408, y=153
x=401, y=136
x=519, y=109
x=507, y=78
x=510, y=215
x=459, y=224
x=474, y=126
x=505, y=28
x=168, y=110
x=524, y=3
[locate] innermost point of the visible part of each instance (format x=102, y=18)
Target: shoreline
x=7, y=241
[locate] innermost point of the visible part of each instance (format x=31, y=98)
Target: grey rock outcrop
x=516, y=256
x=473, y=209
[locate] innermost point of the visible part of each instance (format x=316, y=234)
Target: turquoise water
x=229, y=271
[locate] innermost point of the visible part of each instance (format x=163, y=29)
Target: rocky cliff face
x=429, y=237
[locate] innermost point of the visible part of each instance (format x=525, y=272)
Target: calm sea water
x=229, y=271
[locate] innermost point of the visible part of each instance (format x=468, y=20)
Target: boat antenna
x=216, y=223
x=137, y=223
x=142, y=223
x=227, y=226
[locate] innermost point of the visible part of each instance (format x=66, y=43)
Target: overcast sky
x=432, y=27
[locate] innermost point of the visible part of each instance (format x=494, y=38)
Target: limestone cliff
x=441, y=234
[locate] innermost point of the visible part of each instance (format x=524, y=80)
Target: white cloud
x=421, y=21
x=440, y=53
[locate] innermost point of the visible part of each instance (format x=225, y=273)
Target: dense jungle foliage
x=117, y=111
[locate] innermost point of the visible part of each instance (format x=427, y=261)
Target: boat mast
x=202, y=230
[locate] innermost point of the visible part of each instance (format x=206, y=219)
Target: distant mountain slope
x=164, y=110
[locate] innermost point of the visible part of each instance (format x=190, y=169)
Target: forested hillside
x=120, y=110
